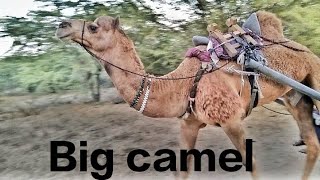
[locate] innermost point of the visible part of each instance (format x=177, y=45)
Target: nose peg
x=64, y=24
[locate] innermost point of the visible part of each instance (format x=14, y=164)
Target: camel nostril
x=64, y=24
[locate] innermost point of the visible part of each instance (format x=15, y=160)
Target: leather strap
x=193, y=91
x=254, y=93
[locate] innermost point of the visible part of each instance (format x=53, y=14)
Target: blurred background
x=34, y=61
x=50, y=90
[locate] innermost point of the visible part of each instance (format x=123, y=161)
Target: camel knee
x=313, y=149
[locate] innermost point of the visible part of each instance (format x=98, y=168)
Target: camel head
x=96, y=36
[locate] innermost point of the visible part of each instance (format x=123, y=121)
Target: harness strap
x=193, y=91
x=252, y=78
x=254, y=94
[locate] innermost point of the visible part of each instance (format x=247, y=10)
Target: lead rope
x=84, y=24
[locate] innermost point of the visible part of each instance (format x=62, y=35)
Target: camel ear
x=116, y=23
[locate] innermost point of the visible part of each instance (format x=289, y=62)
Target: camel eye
x=93, y=28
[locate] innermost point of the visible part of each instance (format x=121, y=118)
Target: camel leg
x=314, y=82
x=302, y=113
x=188, y=132
x=235, y=132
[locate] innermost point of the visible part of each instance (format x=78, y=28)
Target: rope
x=144, y=75
x=178, y=78
x=273, y=42
x=232, y=70
x=141, y=75
x=287, y=114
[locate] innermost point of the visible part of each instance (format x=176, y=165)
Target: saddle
x=229, y=46
x=226, y=46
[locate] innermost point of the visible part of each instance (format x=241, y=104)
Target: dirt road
x=25, y=142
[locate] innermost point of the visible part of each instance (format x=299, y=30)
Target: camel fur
x=218, y=101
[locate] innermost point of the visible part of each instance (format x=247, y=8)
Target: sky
x=10, y=8
x=17, y=8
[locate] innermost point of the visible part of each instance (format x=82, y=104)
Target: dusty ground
x=25, y=150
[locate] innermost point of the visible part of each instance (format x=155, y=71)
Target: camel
x=217, y=101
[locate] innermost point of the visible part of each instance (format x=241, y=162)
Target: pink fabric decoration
x=203, y=56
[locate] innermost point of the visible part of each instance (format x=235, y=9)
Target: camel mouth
x=62, y=35
x=68, y=37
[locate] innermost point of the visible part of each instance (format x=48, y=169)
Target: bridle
x=82, y=34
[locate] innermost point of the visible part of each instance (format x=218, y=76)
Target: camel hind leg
x=235, y=132
x=302, y=113
x=313, y=81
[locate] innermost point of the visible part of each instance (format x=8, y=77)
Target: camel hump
x=258, y=24
x=270, y=25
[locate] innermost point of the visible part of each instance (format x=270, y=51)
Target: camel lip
x=63, y=36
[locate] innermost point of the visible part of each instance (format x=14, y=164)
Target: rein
x=281, y=43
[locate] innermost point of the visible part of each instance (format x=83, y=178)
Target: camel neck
x=167, y=98
x=124, y=56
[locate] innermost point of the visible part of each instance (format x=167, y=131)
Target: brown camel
x=218, y=101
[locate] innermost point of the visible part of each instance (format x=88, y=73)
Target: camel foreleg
x=189, y=133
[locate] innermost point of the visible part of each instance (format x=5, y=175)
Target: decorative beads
x=146, y=97
x=138, y=95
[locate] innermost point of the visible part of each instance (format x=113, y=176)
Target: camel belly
x=216, y=102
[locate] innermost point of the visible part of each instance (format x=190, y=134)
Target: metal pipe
x=283, y=79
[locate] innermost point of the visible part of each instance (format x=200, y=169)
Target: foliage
x=49, y=72
x=39, y=62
